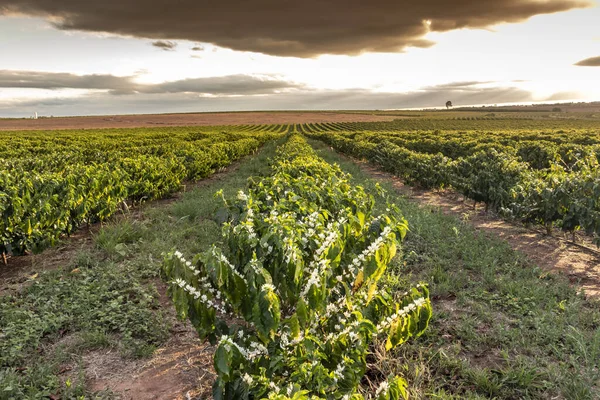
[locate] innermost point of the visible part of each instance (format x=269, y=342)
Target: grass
x=502, y=328
x=106, y=295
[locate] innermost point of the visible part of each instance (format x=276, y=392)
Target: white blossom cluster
x=221, y=257
x=291, y=251
x=382, y=389
x=254, y=265
x=198, y=295
x=267, y=287
x=186, y=263
x=369, y=251
x=254, y=350
x=348, y=330
x=248, y=380
x=403, y=312
x=317, y=267
x=203, y=283
x=339, y=372
x=242, y=196
x=286, y=342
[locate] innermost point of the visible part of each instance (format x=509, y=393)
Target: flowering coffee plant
x=292, y=301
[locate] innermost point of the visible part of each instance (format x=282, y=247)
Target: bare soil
x=199, y=119
x=580, y=261
x=22, y=270
x=180, y=369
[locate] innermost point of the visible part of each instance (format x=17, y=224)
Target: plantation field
x=51, y=185
x=536, y=172
x=303, y=275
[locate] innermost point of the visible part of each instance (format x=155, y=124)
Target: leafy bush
x=292, y=301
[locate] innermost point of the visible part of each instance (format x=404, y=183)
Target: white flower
x=242, y=196
x=267, y=286
x=247, y=379
x=382, y=389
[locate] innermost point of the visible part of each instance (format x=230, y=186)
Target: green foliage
x=503, y=327
x=52, y=184
x=293, y=301
x=544, y=178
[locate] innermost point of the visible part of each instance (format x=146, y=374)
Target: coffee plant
x=292, y=300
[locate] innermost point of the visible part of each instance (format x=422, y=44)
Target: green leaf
x=222, y=361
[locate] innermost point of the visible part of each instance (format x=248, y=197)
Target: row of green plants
x=42, y=198
x=539, y=150
x=53, y=151
x=568, y=198
x=291, y=299
x=432, y=123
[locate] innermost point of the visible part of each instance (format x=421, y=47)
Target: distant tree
x=448, y=104
x=556, y=109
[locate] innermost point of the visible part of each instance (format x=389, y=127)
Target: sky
x=71, y=57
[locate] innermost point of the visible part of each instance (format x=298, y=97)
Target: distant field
x=200, y=119
x=588, y=111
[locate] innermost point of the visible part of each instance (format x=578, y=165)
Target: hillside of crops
x=537, y=172
x=52, y=183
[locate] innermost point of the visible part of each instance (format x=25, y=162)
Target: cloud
x=459, y=86
x=198, y=48
x=223, y=85
x=292, y=28
x=564, y=96
x=120, y=85
x=166, y=45
x=301, y=99
x=62, y=80
x=589, y=62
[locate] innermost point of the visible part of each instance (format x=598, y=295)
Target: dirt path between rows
x=180, y=369
x=580, y=262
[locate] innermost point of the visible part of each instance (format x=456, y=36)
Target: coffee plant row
x=481, y=124
x=292, y=299
x=52, y=183
x=544, y=178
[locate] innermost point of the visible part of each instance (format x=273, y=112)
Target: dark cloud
x=166, y=45
x=287, y=28
x=60, y=80
x=589, y=62
x=198, y=48
x=117, y=85
x=306, y=99
x=230, y=84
